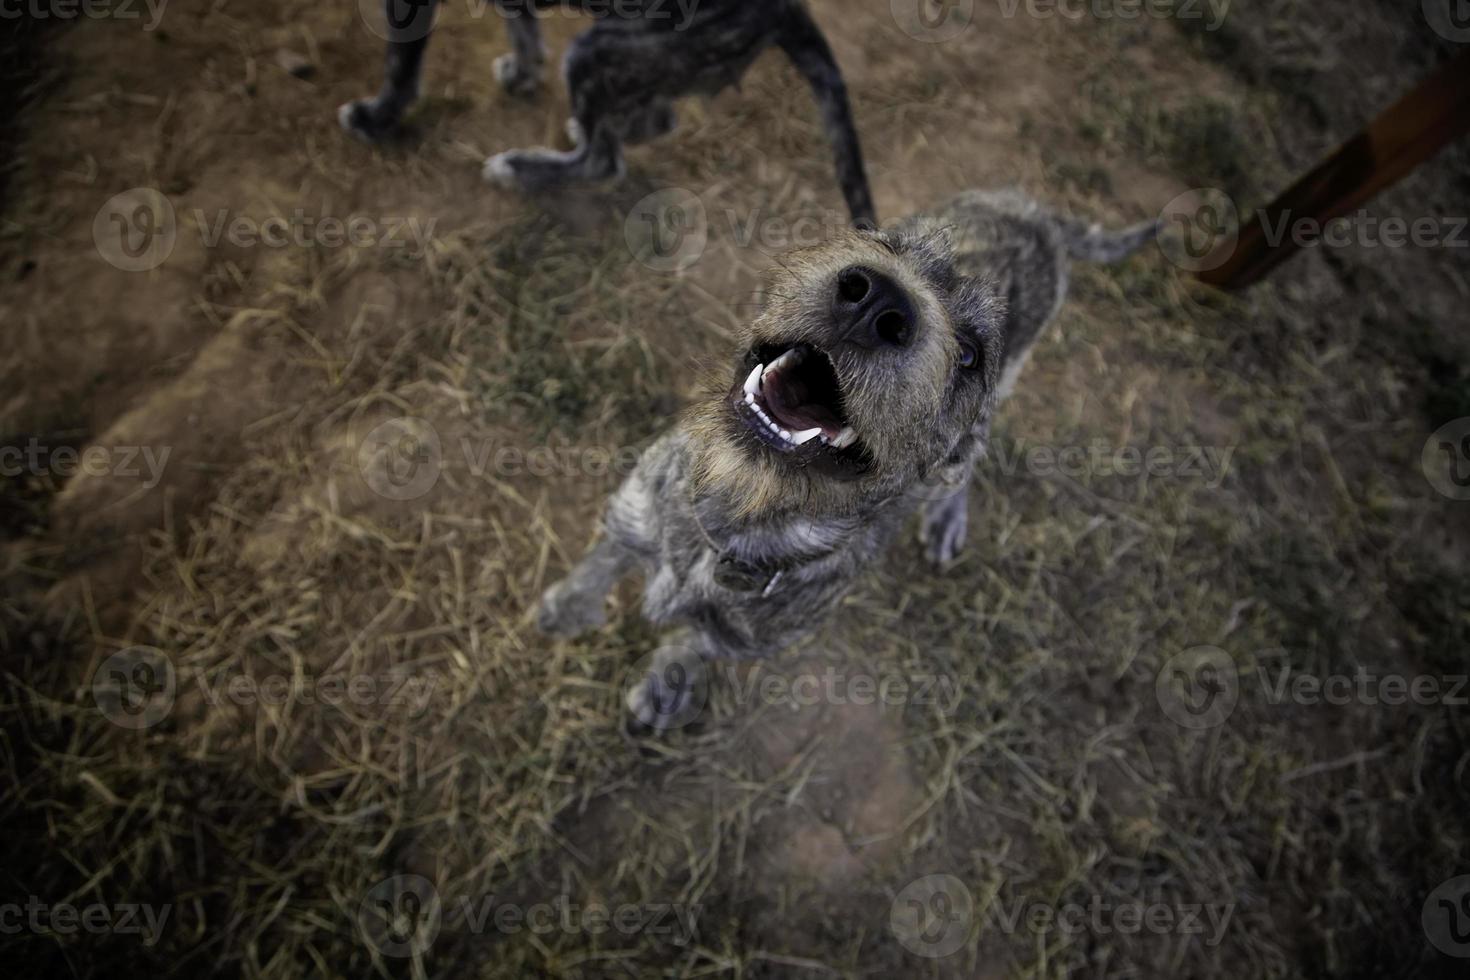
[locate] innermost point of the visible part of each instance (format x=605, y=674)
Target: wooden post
x=1404, y=136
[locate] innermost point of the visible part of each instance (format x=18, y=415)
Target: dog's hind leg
x=597, y=157
x=521, y=70
x=647, y=125
x=804, y=44
x=637, y=128
x=599, y=96
x=409, y=24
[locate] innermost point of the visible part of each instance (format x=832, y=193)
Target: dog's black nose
x=872, y=311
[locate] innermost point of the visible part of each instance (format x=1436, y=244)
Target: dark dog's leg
x=672, y=689
x=521, y=70
x=659, y=119
x=639, y=126
x=636, y=128
x=575, y=604
x=409, y=25
x=804, y=44
x=593, y=59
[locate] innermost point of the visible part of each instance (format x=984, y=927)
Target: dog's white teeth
x=805, y=436
x=844, y=438
x=753, y=383
x=787, y=359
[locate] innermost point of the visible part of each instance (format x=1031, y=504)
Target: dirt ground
x=252, y=525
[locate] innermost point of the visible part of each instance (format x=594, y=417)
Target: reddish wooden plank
x=1405, y=135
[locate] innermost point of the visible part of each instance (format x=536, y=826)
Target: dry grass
x=1048, y=772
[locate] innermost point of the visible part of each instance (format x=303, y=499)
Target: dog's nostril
x=893, y=328
x=853, y=286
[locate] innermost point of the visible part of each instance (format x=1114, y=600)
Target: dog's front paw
x=564, y=613
x=944, y=527
x=515, y=78
x=366, y=120
x=668, y=690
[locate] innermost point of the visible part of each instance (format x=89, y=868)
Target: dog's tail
x=807, y=47
x=1093, y=243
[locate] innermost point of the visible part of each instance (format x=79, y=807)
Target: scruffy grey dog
x=862, y=394
x=624, y=75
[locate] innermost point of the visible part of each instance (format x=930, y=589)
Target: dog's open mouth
x=791, y=399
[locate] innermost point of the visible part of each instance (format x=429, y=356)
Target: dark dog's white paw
x=537, y=170
x=564, y=613
x=944, y=527
x=500, y=169
x=516, y=79
x=362, y=119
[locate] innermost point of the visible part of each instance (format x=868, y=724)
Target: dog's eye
x=969, y=355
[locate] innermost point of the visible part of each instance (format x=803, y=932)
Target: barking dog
x=862, y=394
x=624, y=75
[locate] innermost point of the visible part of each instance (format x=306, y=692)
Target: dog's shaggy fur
x=754, y=516
x=624, y=75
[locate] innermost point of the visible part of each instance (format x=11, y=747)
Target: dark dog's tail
x=1093, y=243
x=807, y=47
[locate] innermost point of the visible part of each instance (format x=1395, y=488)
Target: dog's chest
x=756, y=573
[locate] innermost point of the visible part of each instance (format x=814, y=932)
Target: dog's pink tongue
x=785, y=397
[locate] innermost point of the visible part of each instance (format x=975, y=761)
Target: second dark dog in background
x=624, y=74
